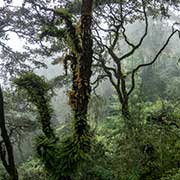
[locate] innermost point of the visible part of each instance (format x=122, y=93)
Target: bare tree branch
x=151, y=62
x=134, y=47
x=124, y=30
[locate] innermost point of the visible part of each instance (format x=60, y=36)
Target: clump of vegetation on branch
x=37, y=90
x=61, y=158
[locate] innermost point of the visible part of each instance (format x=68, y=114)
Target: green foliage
x=32, y=170
x=37, y=90
x=61, y=159
x=173, y=174
x=64, y=13
x=99, y=167
x=3, y=174
x=45, y=148
x=152, y=147
x=152, y=152
x=146, y=146
x=34, y=85
x=147, y=151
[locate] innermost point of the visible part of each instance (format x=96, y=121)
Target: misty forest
x=89, y=89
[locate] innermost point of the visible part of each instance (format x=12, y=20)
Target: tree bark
x=6, y=146
x=125, y=108
x=81, y=67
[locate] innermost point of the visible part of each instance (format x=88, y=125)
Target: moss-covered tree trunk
x=37, y=90
x=6, y=149
x=81, y=67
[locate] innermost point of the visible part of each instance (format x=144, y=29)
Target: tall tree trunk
x=81, y=67
x=125, y=108
x=80, y=93
x=6, y=146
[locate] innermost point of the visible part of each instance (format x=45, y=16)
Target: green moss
x=63, y=12
x=69, y=41
x=37, y=90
